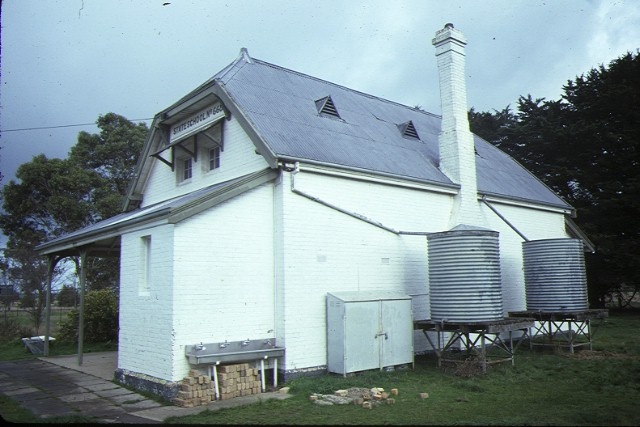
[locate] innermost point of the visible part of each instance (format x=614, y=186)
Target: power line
x=64, y=126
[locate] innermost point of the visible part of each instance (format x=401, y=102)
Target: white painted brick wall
x=237, y=159
x=224, y=274
x=145, y=343
x=214, y=279
x=325, y=251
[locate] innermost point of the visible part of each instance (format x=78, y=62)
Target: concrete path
x=58, y=386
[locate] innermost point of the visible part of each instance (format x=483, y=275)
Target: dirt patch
x=469, y=368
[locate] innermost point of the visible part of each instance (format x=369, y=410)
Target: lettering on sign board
x=194, y=123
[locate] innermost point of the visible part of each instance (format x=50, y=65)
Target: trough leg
x=275, y=372
x=215, y=381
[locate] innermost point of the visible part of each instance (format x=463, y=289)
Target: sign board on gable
x=196, y=122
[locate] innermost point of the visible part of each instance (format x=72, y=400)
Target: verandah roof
x=104, y=236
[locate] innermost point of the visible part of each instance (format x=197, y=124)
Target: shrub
x=100, y=318
x=10, y=329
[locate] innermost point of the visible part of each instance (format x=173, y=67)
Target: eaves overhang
x=451, y=188
x=573, y=229
x=524, y=202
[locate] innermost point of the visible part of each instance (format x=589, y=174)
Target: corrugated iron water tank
x=554, y=274
x=464, y=275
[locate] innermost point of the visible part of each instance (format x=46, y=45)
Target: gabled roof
x=282, y=112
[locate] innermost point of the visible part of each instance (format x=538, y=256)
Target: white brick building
x=265, y=189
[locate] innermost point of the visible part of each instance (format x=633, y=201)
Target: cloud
x=616, y=31
x=64, y=65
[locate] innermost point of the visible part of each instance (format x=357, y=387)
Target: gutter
x=372, y=176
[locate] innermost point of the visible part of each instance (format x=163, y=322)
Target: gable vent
x=408, y=130
x=327, y=107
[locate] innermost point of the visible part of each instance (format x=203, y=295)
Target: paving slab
x=20, y=391
x=101, y=386
x=30, y=396
x=73, y=390
x=143, y=404
x=115, y=392
x=78, y=397
x=125, y=398
x=48, y=407
x=10, y=387
x=58, y=386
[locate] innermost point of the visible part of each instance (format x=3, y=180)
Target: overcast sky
x=66, y=62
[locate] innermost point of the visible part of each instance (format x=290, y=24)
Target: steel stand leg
x=484, y=353
x=570, y=337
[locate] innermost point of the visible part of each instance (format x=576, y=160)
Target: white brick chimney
x=457, y=152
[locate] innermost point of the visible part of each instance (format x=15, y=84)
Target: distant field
x=23, y=317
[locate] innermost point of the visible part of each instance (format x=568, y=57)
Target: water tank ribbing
x=555, y=275
x=464, y=276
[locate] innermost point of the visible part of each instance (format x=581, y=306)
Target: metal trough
x=213, y=354
x=233, y=351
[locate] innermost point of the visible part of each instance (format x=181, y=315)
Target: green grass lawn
x=599, y=387
x=545, y=387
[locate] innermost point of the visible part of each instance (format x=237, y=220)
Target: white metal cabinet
x=368, y=330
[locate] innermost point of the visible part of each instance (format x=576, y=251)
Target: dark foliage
x=586, y=147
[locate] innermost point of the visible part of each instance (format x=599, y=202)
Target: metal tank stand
x=472, y=339
x=568, y=329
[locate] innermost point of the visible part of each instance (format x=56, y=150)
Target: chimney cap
x=449, y=34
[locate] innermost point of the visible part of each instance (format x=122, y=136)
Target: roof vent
x=326, y=107
x=408, y=130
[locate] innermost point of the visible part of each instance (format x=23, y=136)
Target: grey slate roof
x=280, y=105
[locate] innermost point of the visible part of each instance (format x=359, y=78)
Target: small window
x=214, y=158
x=144, y=285
x=185, y=169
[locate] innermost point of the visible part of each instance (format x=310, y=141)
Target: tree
x=53, y=197
x=28, y=272
x=586, y=147
x=113, y=155
x=68, y=296
x=8, y=293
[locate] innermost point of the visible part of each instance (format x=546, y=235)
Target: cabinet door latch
x=386, y=337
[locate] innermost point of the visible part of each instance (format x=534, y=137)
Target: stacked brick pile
x=195, y=390
x=233, y=381
x=238, y=380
